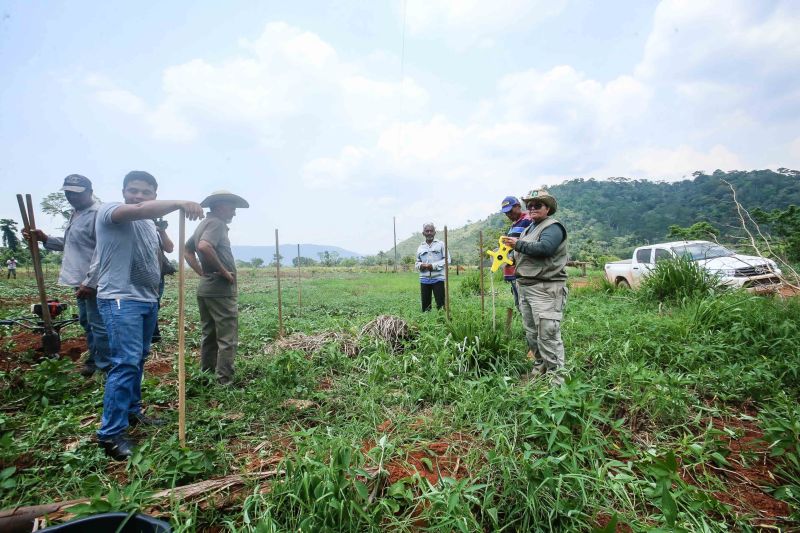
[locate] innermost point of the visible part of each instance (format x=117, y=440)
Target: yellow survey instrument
x=500, y=255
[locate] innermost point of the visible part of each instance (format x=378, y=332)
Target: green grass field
x=677, y=415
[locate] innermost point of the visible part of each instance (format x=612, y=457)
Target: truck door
x=643, y=262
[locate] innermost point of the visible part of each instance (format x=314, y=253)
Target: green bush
x=678, y=279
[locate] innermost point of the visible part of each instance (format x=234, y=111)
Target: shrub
x=678, y=279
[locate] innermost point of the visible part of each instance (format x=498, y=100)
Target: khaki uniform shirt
x=214, y=231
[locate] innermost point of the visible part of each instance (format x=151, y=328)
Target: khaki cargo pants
x=542, y=308
x=219, y=318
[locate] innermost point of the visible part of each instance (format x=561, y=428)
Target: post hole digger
x=46, y=309
x=51, y=342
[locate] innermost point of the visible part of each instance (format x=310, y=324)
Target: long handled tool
x=51, y=341
x=181, y=332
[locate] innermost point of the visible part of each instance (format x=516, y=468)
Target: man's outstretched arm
x=155, y=209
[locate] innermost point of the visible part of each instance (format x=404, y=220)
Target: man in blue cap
x=519, y=221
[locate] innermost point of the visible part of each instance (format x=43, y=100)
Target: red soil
x=749, y=474
x=14, y=351
x=158, y=367
x=788, y=291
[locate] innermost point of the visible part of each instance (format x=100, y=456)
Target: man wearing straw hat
x=129, y=272
x=217, y=291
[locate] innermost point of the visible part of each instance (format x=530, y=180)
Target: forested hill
x=615, y=215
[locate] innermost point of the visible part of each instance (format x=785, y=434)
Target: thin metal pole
x=480, y=263
x=278, y=275
x=181, y=330
x=446, y=277
x=299, y=281
x=394, y=227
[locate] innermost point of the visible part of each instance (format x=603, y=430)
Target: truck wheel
x=622, y=283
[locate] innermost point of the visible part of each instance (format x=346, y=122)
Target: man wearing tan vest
x=541, y=261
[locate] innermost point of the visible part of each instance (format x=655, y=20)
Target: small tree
x=56, y=205
x=784, y=225
x=698, y=231
x=257, y=262
x=8, y=228
x=276, y=258
x=303, y=261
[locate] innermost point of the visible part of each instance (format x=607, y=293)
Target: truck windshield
x=702, y=250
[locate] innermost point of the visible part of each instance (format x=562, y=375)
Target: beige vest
x=532, y=269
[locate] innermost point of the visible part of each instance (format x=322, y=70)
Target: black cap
x=76, y=183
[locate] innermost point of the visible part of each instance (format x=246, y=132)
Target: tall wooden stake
x=29, y=223
x=446, y=276
x=394, y=227
x=480, y=267
x=278, y=275
x=181, y=330
x=299, y=281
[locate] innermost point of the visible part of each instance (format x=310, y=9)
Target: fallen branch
x=21, y=519
x=741, y=211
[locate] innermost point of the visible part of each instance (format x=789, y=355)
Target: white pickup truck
x=739, y=271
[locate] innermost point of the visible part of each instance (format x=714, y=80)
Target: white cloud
x=464, y=22
x=701, y=98
x=284, y=73
x=666, y=163
x=735, y=43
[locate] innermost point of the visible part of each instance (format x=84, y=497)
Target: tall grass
x=677, y=279
x=643, y=381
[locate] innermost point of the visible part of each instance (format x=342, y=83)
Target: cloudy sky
x=331, y=117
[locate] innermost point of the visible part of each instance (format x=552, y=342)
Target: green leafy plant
x=678, y=279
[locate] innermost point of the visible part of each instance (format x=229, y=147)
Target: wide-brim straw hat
x=224, y=196
x=543, y=196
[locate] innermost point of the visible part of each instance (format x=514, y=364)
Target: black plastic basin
x=110, y=523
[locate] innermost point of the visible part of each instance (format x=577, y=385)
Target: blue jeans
x=96, y=335
x=130, y=327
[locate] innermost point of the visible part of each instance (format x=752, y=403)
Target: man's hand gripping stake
x=500, y=255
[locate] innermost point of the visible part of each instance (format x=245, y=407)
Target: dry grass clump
x=311, y=344
x=392, y=329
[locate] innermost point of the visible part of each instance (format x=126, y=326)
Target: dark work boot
x=144, y=420
x=118, y=447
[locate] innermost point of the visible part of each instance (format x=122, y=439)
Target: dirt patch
x=432, y=461
x=24, y=349
x=73, y=348
x=748, y=476
x=158, y=367
x=603, y=520
x=787, y=291
x=578, y=283
x=262, y=456
x=325, y=384
x=22, y=461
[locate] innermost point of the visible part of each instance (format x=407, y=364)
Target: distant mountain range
x=614, y=216
x=289, y=252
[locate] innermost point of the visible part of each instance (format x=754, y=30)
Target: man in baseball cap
x=208, y=252
x=76, y=183
x=78, y=245
x=519, y=221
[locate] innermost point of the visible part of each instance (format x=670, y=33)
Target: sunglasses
x=535, y=205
